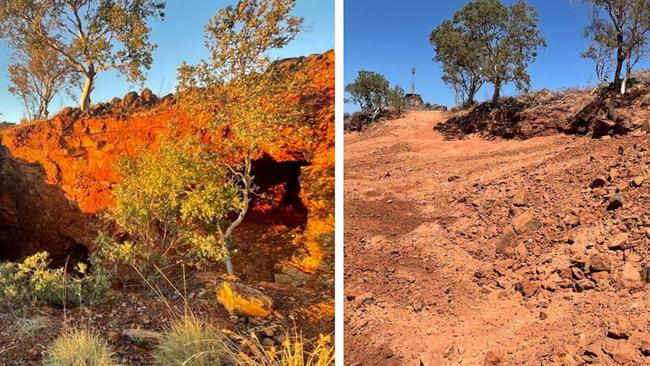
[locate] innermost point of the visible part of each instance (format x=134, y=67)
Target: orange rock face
x=57, y=175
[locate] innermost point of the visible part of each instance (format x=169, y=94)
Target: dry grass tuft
x=191, y=342
x=79, y=347
x=293, y=352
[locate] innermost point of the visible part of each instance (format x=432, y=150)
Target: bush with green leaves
x=33, y=281
x=172, y=205
x=79, y=347
x=369, y=90
x=487, y=41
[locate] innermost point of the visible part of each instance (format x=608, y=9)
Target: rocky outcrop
x=542, y=113
x=56, y=175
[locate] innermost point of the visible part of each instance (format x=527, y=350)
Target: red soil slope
x=504, y=252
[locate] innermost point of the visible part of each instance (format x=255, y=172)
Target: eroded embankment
x=56, y=175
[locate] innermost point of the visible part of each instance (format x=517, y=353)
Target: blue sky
x=391, y=37
x=180, y=37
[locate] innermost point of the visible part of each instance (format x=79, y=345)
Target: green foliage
x=618, y=34
x=372, y=92
x=239, y=94
x=36, y=75
x=172, y=204
x=369, y=90
x=193, y=343
x=77, y=348
x=91, y=35
x=239, y=78
x=397, y=98
x=487, y=39
x=31, y=280
x=459, y=52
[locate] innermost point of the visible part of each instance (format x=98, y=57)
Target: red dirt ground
x=424, y=283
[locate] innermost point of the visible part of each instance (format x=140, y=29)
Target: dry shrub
x=295, y=351
x=79, y=347
x=191, y=342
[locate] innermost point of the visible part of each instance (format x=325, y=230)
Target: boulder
x=620, y=328
x=630, y=277
x=148, y=96
x=621, y=351
x=525, y=222
x=130, y=100
x=243, y=300
x=601, y=262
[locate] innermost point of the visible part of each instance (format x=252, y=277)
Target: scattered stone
x=528, y=287
x=617, y=241
x=520, y=199
x=615, y=202
x=494, y=357
x=637, y=181
x=243, y=300
x=621, y=328
x=645, y=274
x=584, y=284
x=598, y=182
x=630, y=276
x=572, y=220
x=505, y=242
x=138, y=335
x=601, y=262
x=268, y=342
x=593, y=350
x=525, y=222
x=621, y=352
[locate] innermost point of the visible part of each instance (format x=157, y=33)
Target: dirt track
x=423, y=282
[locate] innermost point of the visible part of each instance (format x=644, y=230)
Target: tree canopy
x=369, y=90
x=372, y=92
x=488, y=41
x=36, y=75
x=245, y=94
x=618, y=35
x=91, y=35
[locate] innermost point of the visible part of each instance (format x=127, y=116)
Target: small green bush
x=171, y=206
x=191, y=342
x=32, y=280
x=79, y=348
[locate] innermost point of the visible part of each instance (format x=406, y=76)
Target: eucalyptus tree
x=92, y=36
x=619, y=30
x=487, y=40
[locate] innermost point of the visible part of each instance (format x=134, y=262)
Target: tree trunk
x=497, y=92
x=229, y=268
x=85, y=93
x=620, y=58
x=470, y=95
x=628, y=71
x=247, y=180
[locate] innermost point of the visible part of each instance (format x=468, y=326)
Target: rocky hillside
x=542, y=113
x=496, y=251
x=56, y=175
